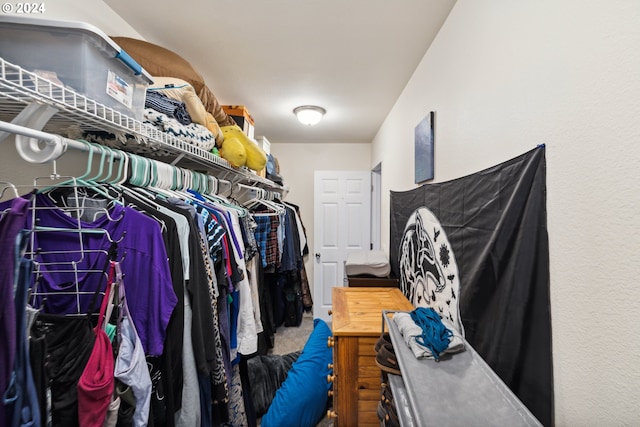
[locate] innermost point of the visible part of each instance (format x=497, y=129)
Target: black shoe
x=384, y=339
x=386, y=360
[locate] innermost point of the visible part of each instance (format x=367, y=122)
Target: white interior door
x=342, y=223
x=376, y=206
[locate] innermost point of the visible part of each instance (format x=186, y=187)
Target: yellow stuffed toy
x=239, y=150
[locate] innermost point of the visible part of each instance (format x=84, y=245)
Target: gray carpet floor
x=293, y=338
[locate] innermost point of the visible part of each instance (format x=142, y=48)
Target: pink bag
x=95, y=386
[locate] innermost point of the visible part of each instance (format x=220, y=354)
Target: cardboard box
x=242, y=117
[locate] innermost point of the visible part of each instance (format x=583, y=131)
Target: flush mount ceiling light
x=309, y=114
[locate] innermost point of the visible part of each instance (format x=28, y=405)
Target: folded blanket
x=171, y=107
x=410, y=331
x=193, y=133
x=267, y=373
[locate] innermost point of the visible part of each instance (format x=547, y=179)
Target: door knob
x=317, y=255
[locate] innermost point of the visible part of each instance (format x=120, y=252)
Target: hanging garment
x=293, y=308
x=274, y=254
x=238, y=415
x=66, y=343
x=201, y=324
x=266, y=339
x=168, y=367
x=37, y=354
x=291, y=244
x=11, y=221
x=252, y=273
x=151, y=295
x=307, y=299
x=130, y=365
x=207, y=354
x=189, y=412
x=213, y=383
x=302, y=234
x=261, y=234
x=21, y=398
x=95, y=386
x=111, y=419
x=247, y=327
x=248, y=233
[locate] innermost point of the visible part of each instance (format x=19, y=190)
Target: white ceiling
x=351, y=57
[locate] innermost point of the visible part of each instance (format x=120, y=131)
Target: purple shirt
x=142, y=256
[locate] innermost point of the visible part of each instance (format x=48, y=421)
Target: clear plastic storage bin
x=78, y=56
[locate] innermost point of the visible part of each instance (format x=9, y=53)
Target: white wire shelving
x=30, y=100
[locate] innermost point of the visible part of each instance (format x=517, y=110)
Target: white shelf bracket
x=33, y=116
x=35, y=146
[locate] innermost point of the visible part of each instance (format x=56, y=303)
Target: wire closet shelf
x=27, y=99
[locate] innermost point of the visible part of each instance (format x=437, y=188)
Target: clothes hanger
x=111, y=161
x=69, y=179
x=105, y=182
x=207, y=187
x=8, y=185
x=125, y=172
x=75, y=212
x=122, y=174
x=97, y=183
x=15, y=192
x=123, y=161
x=260, y=199
x=223, y=202
x=144, y=171
x=164, y=184
x=82, y=183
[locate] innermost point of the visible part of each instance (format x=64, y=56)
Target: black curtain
x=496, y=224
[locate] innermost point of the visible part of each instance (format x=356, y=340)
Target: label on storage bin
x=119, y=89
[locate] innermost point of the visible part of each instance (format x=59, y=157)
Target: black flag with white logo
x=476, y=250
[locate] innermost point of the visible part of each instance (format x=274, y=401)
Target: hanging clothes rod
x=36, y=146
x=29, y=143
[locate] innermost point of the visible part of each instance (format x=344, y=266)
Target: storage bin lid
x=38, y=24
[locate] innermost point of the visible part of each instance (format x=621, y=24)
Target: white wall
x=504, y=76
x=298, y=161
